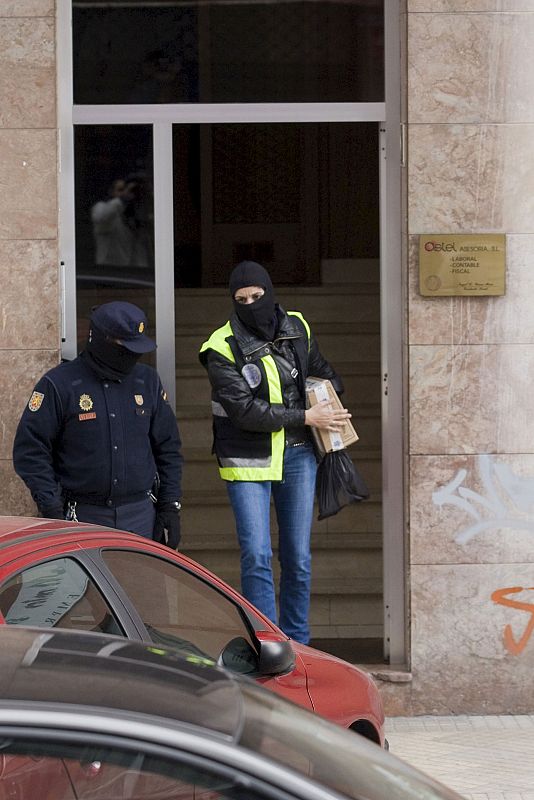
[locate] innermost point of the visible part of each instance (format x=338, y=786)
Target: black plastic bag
x=338, y=483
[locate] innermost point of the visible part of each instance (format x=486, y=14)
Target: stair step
x=197, y=329
x=202, y=497
x=355, y=610
x=210, y=514
x=224, y=541
x=363, y=344
x=343, y=305
x=355, y=571
x=347, y=586
x=196, y=430
x=193, y=386
x=357, y=452
x=353, y=632
x=204, y=472
x=195, y=369
x=362, y=410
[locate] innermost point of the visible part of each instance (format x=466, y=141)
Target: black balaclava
x=109, y=360
x=259, y=317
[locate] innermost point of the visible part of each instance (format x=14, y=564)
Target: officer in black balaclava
x=257, y=364
x=98, y=435
x=259, y=312
x=116, y=340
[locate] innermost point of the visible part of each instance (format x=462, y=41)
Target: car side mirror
x=239, y=656
x=276, y=654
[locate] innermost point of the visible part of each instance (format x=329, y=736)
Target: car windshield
x=339, y=759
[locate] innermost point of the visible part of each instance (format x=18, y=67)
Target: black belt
x=110, y=502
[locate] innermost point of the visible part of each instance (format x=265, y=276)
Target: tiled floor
x=482, y=758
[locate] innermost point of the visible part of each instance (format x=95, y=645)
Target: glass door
x=247, y=131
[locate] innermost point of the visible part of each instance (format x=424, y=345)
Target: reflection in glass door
x=114, y=204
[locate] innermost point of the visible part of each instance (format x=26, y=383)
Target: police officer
x=98, y=433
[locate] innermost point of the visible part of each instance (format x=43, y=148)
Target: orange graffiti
x=500, y=596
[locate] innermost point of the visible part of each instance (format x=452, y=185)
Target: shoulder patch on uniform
x=36, y=401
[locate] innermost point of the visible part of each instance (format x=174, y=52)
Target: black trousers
x=138, y=517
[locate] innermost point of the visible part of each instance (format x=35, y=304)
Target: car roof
x=15, y=531
x=89, y=669
x=81, y=674
x=15, y=528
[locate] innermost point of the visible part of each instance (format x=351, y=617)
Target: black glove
x=167, y=524
x=52, y=512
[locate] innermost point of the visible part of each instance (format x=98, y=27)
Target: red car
x=72, y=575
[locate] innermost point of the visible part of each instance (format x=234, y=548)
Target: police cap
x=125, y=323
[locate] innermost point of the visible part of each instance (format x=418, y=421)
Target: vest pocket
x=232, y=442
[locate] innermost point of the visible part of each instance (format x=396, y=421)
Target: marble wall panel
x=27, y=8
x=437, y=6
x=15, y=499
x=470, y=68
x=469, y=652
x=20, y=370
x=27, y=73
x=471, y=178
x=28, y=201
x=472, y=509
x=471, y=399
x=477, y=320
x=29, y=303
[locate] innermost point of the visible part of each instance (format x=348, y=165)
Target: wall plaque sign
x=469, y=264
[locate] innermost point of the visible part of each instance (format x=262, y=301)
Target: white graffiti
x=507, y=502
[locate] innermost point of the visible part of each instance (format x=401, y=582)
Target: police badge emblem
x=141, y=327
x=139, y=399
x=86, y=403
x=36, y=401
x=252, y=375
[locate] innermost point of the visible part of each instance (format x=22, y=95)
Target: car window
x=57, y=593
x=34, y=769
x=181, y=610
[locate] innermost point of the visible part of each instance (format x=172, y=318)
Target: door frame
x=162, y=118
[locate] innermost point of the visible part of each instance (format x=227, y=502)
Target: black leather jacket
x=295, y=358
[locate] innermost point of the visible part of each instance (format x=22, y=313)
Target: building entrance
x=172, y=188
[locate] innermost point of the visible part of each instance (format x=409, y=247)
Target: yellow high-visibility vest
x=253, y=469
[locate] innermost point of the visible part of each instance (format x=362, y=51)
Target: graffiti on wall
x=500, y=596
x=505, y=502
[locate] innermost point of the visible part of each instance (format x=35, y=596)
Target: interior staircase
x=346, y=608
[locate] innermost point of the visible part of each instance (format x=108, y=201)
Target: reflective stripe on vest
x=261, y=469
x=307, y=327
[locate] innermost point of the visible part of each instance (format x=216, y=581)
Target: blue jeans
x=293, y=500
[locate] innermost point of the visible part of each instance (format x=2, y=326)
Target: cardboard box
x=318, y=389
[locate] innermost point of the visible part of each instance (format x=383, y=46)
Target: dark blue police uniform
x=100, y=443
